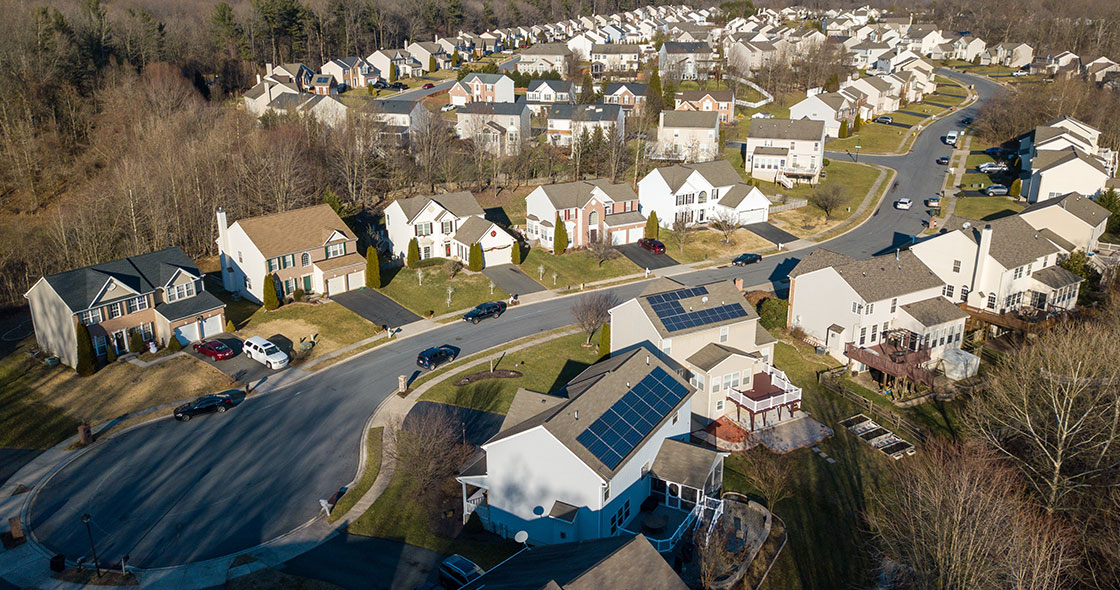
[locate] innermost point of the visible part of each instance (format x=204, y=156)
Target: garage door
x=618, y=237
x=212, y=326
x=752, y=216
x=188, y=333
x=356, y=280
x=336, y=285
x=496, y=257
x=636, y=233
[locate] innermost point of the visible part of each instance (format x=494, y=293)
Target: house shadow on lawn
x=498, y=216
x=567, y=372
x=484, y=395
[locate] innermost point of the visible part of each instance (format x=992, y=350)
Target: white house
x=446, y=226
x=617, y=60
x=1071, y=222
x=544, y=57
x=543, y=93
x=501, y=127
x=1064, y=156
x=386, y=59
x=568, y=122
x=692, y=136
x=785, y=151
x=701, y=193
x=591, y=210
x=833, y=108
x=476, y=87
x=578, y=464
x=350, y=72
x=400, y=118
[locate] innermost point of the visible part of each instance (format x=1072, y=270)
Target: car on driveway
x=933, y=202
x=218, y=402
x=745, y=259
x=213, y=349
x=903, y=204
x=379, y=85
x=398, y=86
x=996, y=190
x=265, y=353
x=992, y=167
x=1020, y=73
x=998, y=153
x=447, y=107
x=884, y=119
x=943, y=160
x=458, y=571
x=490, y=309
x=433, y=357
x=652, y=245
x=428, y=86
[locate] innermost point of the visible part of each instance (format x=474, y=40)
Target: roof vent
x=704, y=299
x=576, y=414
x=647, y=359
x=966, y=225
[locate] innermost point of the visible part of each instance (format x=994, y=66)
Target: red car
x=652, y=245
x=213, y=349
x=429, y=85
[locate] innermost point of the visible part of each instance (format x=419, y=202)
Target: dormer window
x=178, y=292
x=336, y=250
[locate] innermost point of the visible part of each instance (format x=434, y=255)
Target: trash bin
x=58, y=563
x=820, y=350
x=85, y=434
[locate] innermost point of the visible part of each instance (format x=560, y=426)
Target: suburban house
x=833, y=108
x=712, y=335
x=718, y=101
x=446, y=226
x=612, y=562
x=544, y=93
x=1064, y=156
x=879, y=96
x=867, y=53
x=616, y=60
x=258, y=98
x=685, y=60
x=482, y=88
x=578, y=464
x=890, y=313
x=701, y=193
x=591, y=210
x=785, y=151
x=309, y=249
x=968, y=48
x=349, y=72
x=397, y=118
x=500, y=127
x=159, y=295
x=296, y=74
x=427, y=52
x=581, y=44
x=1011, y=55
x=545, y=57
x=384, y=60
x=691, y=136
x=568, y=122
x=1071, y=222
x=324, y=85
x=628, y=95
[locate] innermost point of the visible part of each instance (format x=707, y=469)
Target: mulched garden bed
x=483, y=375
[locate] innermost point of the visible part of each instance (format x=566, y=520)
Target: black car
x=397, y=86
x=380, y=85
x=943, y=160
x=745, y=259
x=490, y=309
x=434, y=357
x=967, y=121
x=218, y=402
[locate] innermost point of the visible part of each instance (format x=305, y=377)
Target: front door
x=673, y=495
x=447, y=250
x=593, y=235
x=120, y=344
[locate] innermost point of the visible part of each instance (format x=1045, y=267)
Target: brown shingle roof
x=690, y=119
x=802, y=129
x=294, y=231
x=818, y=259
x=934, y=311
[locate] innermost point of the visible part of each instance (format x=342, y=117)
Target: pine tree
x=843, y=128
x=833, y=83
x=475, y=262
x=136, y=342
x=373, y=269
x=859, y=121
x=1016, y=188
x=271, y=300
x=230, y=327
x=392, y=73
x=604, y=341
x=86, y=364
x=432, y=63
x=560, y=237
x=455, y=59
x=654, y=102
x=651, y=226
x=515, y=255
x=669, y=94
x=413, y=258
x=174, y=345
x=587, y=89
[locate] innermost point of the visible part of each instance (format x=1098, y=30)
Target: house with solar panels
x=712, y=335
x=606, y=455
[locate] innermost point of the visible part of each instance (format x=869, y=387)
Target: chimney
x=223, y=248
x=267, y=69
x=982, y=251
x=258, y=78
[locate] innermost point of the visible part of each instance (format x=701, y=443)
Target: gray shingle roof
x=934, y=311
x=185, y=308
x=818, y=259
x=566, y=195
x=801, y=129
x=472, y=230
x=484, y=78
x=555, y=85
x=615, y=48
x=684, y=463
x=690, y=119
x=684, y=47
x=634, y=88
x=585, y=112
x=1014, y=241
x=1056, y=277
x=460, y=204
x=712, y=354
x=717, y=172
x=142, y=273
x=493, y=108
x=719, y=294
x=546, y=49
x=1078, y=205
x=1054, y=158
x=883, y=277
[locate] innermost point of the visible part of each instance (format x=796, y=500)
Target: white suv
x=265, y=353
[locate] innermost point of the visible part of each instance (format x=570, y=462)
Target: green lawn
x=573, y=268
x=545, y=368
x=856, y=180
x=373, y=467
x=469, y=289
x=779, y=108
x=986, y=208
x=880, y=138
x=872, y=138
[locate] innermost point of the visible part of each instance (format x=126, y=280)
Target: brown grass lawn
x=507, y=203
x=707, y=244
x=335, y=325
x=41, y=406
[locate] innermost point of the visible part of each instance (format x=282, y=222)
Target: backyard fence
x=789, y=204
x=831, y=382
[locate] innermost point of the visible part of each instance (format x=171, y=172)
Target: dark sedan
x=490, y=309
x=434, y=357
x=213, y=349
x=943, y=160
x=652, y=245
x=745, y=259
x=218, y=402
x=398, y=86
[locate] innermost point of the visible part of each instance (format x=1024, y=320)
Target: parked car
x=213, y=349
x=998, y=153
x=951, y=138
x=992, y=167
x=1020, y=73
x=903, y=204
x=490, y=309
x=943, y=160
x=264, y=352
x=398, y=86
x=967, y=121
x=745, y=259
x=428, y=86
x=379, y=85
x=762, y=115
x=652, y=245
x=996, y=190
x=447, y=107
x=458, y=571
x=434, y=357
x=934, y=202
x=884, y=119
x=218, y=402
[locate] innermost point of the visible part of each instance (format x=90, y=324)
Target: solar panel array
x=674, y=317
x=622, y=427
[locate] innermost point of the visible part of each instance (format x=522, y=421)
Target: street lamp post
x=96, y=563
x=858, y=146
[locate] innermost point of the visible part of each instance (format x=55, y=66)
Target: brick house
x=719, y=101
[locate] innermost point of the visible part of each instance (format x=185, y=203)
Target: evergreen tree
x=653, y=98
x=651, y=226
x=669, y=95
x=173, y=345
x=586, y=90
x=271, y=300
x=86, y=364
x=560, y=237
x=455, y=59
x=475, y=262
x=859, y=121
x=515, y=255
x=844, y=128
x=392, y=73
x=1016, y=188
x=833, y=83
x=230, y=327
x=1110, y=200
x=604, y=341
x=432, y=63
x=373, y=269
x=330, y=198
x=136, y=342
x=413, y=258
x=110, y=354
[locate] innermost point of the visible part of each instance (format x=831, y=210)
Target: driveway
x=770, y=232
x=240, y=367
x=375, y=307
x=510, y=279
x=644, y=258
x=367, y=563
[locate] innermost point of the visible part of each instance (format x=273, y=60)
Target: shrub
x=452, y=268
x=651, y=225
x=604, y=341
x=413, y=254
x=373, y=269
x=1016, y=188
x=174, y=345
x=515, y=255
x=230, y=327
x=844, y=129
x=110, y=354
x=271, y=300
x=825, y=162
x=772, y=313
x=475, y=262
x=86, y=364
x=560, y=237
x=136, y=343
x=298, y=295
x=430, y=262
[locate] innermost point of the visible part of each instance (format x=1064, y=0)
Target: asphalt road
x=170, y=493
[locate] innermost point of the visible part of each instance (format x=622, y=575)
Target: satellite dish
x=521, y=537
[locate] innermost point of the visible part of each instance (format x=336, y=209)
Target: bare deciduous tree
x=828, y=198
x=771, y=474
x=714, y=558
x=591, y=311
x=725, y=222
x=602, y=250
x=681, y=230
x=430, y=446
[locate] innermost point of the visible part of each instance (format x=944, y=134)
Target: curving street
x=170, y=493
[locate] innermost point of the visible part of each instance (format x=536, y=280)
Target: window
x=90, y=316
x=181, y=291
x=857, y=308
x=137, y=304
x=336, y=250
x=723, y=333
x=99, y=345
x=991, y=301
x=113, y=310
x=239, y=256
x=1030, y=267
x=305, y=259
x=883, y=332
x=964, y=292
x=702, y=197
x=947, y=291
x=447, y=227
x=273, y=264
x=698, y=382
x=289, y=260
x=1019, y=273
x=727, y=381
x=894, y=304
x=248, y=283
x=719, y=406
x=862, y=336
x=715, y=385
x=423, y=229
x=606, y=491
x=874, y=332
x=956, y=266
x=870, y=308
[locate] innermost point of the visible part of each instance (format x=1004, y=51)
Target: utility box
x=58, y=563
x=85, y=434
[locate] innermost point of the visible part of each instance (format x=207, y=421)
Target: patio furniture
x=654, y=523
